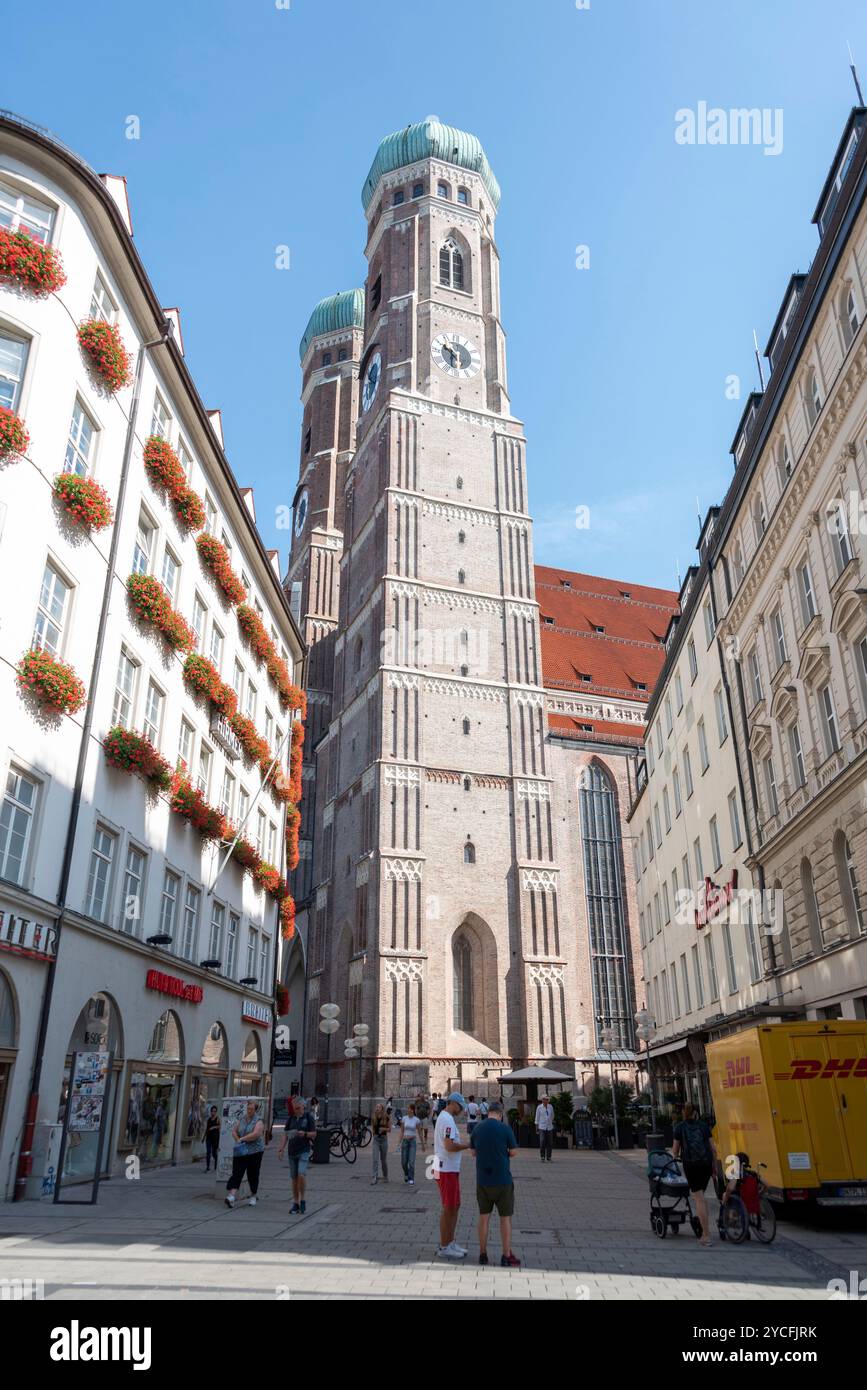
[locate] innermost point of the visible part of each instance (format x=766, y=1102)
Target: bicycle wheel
x=365, y=1134
x=735, y=1221
x=335, y=1138
x=347, y=1148
x=765, y=1224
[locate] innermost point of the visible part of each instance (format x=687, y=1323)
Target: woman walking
x=694, y=1146
x=411, y=1130
x=381, y=1126
x=212, y=1137
x=249, y=1136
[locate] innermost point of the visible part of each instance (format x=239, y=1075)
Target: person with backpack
x=422, y=1110
x=694, y=1146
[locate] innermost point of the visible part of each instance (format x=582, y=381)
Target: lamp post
x=350, y=1052
x=360, y=1041
x=329, y=1015
x=644, y=1031
x=607, y=1039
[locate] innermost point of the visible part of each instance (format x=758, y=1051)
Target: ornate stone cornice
x=403, y=870
x=540, y=880
x=404, y=969
x=544, y=974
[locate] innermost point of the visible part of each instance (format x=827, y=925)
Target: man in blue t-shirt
x=493, y=1144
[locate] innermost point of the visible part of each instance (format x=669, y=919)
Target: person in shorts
x=447, y=1171
x=694, y=1146
x=493, y=1144
x=298, y=1135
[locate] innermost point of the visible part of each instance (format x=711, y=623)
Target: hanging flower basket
x=246, y=855
x=266, y=876
x=14, y=439
x=296, y=760
x=215, y=557
x=281, y=999
x=287, y=918
x=53, y=683
x=102, y=344
x=254, y=746
x=86, y=502
x=263, y=648
x=166, y=473
x=187, y=801
x=203, y=679
x=132, y=752
x=151, y=603
x=29, y=263
x=293, y=826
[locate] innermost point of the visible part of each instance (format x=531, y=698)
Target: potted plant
x=151, y=603
x=84, y=499
x=14, y=439
x=102, y=344
x=132, y=752
x=30, y=263
x=50, y=681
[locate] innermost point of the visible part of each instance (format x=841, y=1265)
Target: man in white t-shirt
x=448, y=1148
x=545, y=1128
x=472, y=1115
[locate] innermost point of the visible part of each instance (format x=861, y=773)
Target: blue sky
x=258, y=125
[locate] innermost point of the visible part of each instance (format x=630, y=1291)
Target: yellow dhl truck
x=794, y=1097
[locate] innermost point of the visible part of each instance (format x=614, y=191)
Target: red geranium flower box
x=287, y=918
x=188, y=802
x=202, y=677
x=29, y=262
x=14, y=439
x=151, y=603
x=215, y=557
x=86, y=502
x=132, y=752
x=246, y=855
x=53, y=682
x=166, y=472
x=102, y=343
x=281, y=999
x=267, y=876
x=254, y=745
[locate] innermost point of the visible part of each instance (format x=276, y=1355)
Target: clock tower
x=436, y=916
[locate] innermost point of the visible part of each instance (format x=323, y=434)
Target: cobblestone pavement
x=581, y=1229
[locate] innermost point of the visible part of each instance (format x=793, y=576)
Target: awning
x=669, y=1047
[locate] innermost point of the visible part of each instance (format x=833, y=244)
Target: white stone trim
x=403, y=870
x=402, y=776
x=540, y=880
x=533, y=791
x=546, y=974
x=403, y=968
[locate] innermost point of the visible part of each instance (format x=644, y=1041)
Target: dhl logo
x=809, y=1069
x=739, y=1073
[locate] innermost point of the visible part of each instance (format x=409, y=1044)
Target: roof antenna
x=758, y=360
x=677, y=571
x=854, y=72
x=698, y=512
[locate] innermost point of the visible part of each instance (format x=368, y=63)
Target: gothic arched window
x=469, y=853
x=451, y=265
x=462, y=965
x=606, y=911
x=461, y=576
x=466, y=726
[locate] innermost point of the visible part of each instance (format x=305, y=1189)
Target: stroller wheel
x=674, y=1228
x=659, y=1225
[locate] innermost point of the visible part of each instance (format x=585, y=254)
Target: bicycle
x=357, y=1128
x=741, y=1216
x=340, y=1140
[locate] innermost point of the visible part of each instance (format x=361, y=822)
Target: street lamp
x=350, y=1052
x=360, y=1041
x=607, y=1040
x=329, y=1015
x=644, y=1031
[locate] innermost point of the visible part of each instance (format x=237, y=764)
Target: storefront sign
x=225, y=735
x=252, y=1012
x=173, y=985
x=27, y=937
x=286, y=1057
x=716, y=899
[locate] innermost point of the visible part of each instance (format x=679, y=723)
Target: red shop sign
x=716, y=899
x=177, y=988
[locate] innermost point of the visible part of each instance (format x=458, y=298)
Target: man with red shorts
x=447, y=1171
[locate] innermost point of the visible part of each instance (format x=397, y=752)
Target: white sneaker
x=230, y=1202
x=252, y=1202
x=461, y=1249
x=451, y=1252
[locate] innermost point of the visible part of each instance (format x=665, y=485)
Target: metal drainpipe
x=25, y=1153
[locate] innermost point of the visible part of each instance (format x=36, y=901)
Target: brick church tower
x=434, y=909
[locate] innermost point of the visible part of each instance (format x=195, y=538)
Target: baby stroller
x=669, y=1195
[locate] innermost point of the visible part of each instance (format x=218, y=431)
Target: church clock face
x=455, y=355
x=371, y=380
x=301, y=512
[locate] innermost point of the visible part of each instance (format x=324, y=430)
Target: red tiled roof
x=629, y=652
x=575, y=726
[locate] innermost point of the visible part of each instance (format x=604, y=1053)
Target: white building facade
x=111, y=902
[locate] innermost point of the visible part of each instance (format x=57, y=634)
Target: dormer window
x=597, y=627
x=549, y=621
x=585, y=676
x=566, y=583
x=839, y=178
x=640, y=685
x=624, y=593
